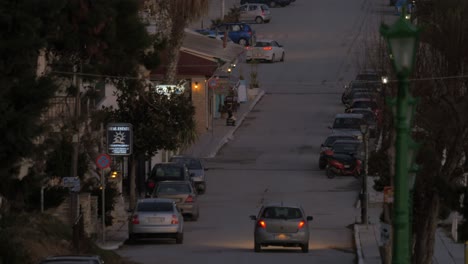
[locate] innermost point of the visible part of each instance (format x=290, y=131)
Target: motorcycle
x=344, y=165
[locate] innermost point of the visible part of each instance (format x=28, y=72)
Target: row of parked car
x=172, y=190
x=342, y=151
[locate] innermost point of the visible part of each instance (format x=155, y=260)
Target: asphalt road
x=274, y=154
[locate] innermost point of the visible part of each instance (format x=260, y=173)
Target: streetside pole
x=401, y=248
x=103, y=205
x=365, y=193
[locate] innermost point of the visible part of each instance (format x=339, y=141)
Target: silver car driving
x=156, y=217
x=279, y=224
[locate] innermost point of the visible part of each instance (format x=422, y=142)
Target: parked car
x=239, y=32
x=183, y=195
x=327, y=145
x=260, y=13
x=270, y=3
x=196, y=170
x=360, y=93
x=349, y=124
x=279, y=224
x=212, y=34
x=73, y=259
x=156, y=218
x=366, y=103
x=343, y=164
x=265, y=50
x=360, y=85
x=166, y=171
x=369, y=117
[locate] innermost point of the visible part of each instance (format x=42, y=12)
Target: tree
x=181, y=12
x=440, y=118
x=23, y=96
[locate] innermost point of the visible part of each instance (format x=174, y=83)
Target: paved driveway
x=274, y=154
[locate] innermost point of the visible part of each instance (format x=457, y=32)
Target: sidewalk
x=207, y=146
x=367, y=238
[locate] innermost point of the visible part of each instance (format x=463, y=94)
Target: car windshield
x=345, y=147
x=154, y=207
x=368, y=77
x=192, y=164
x=168, y=171
x=262, y=44
x=78, y=261
x=364, y=104
x=330, y=140
x=368, y=116
x=347, y=123
x=282, y=213
x=173, y=188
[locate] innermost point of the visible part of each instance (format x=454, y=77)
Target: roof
x=281, y=204
x=349, y=115
x=212, y=49
x=355, y=141
x=155, y=200
x=185, y=65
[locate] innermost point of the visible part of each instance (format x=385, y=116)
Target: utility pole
x=222, y=9
x=365, y=194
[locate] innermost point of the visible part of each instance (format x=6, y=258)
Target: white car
x=265, y=50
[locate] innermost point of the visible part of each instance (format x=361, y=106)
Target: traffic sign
x=213, y=83
x=71, y=182
x=103, y=161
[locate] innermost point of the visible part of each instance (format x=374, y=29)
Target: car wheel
x=259, y=20
x=305, y=248
x=243, y=42
x=257, y=247
x=322, y=164
x=330, y=173
x=131, y=239
x=180, y=238
x=272, y=58
x=282, y=57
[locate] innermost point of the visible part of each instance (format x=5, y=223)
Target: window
x=348, y=123
x=252, y=8
x=345, y=147
x=282, y=213
x=173, y=188
x=154, y=207
x=243, y=8
x=235, y=28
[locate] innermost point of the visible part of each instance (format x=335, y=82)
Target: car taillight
x=336, y=164
x=175, y=220
x=267, y=48
x=151, y=184
x=250, y=33
x=261, y=223
x=248, y=47
x=358, y=162
x=301, y=224
x=189, y=199
x=135, y=220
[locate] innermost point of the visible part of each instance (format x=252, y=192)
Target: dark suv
x=270, y=3
x=166, y=171
x=240, y=33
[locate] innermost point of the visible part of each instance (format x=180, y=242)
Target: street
x=274, y=154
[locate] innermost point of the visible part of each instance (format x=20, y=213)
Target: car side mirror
x=253, y=217
x=310, y=218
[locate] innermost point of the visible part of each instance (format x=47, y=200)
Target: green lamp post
x=402, y=40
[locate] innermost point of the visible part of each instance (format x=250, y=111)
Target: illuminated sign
x=119, y=139
x=169, y=89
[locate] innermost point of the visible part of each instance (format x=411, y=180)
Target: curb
x=230, y=134
x=357, y=242
x=110, y=246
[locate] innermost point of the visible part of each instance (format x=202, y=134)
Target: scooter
x=344, y=165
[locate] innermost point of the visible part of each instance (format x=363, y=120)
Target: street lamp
x=402, y=40
x=364, y=199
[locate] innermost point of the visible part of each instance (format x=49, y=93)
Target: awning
x=200, y=45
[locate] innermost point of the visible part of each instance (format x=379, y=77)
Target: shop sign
x=119, y=139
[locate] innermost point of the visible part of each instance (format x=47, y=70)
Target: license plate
x=347, y=166
x=155, y=219
x=282, y=236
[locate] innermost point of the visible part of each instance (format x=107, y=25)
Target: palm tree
x=182, y=12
